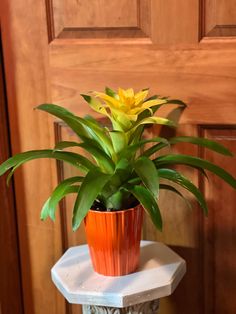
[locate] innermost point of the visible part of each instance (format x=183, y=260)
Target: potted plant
x=123, y=178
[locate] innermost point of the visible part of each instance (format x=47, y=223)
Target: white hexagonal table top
x=159, y=273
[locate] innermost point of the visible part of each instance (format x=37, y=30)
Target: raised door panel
x=219, y=18
x=98, y=19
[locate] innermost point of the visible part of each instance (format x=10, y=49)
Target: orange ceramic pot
x=114, y=240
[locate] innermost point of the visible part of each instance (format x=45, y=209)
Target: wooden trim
x=222, y=31
x=58, y=125
x=201, y=20
x=50, y=20
x=11, y=296
x=60, y=176
x=101, y=32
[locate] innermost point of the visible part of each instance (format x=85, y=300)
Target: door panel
x=185, y=49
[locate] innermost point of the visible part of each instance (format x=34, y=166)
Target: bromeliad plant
x=122, y=173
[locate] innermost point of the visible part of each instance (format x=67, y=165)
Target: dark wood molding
x=11, y=296
x=58, y=125
x=50, y=20
x=101, y=32
x=60, y=176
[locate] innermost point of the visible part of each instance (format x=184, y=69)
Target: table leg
x=150, y=307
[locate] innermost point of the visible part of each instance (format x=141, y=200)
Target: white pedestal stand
x=158, y=275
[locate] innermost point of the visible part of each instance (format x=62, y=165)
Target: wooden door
x=56, y=49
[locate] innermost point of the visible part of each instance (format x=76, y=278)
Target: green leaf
x=102, y=159
x=128, y=151
x=135, y=137
x=153, y=120
x=162, y=161
x=121, y=199
x=65, y=115
x=84, y=128
x=146, y=113
x=111, y=92
x=95, y=104
x=149, y=203
x=99, y=134
x=155, y=148
x=48, y=210
x=76, y=160
x=58, y=193
x=202, y=142
x=147, y=172
x=173, y=189
x=178, y=178
x=13, y=170
x=119, y=140
x=176, y=102
x=65, y=144
x=91, y=187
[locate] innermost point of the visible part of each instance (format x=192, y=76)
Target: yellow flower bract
x=127, y=103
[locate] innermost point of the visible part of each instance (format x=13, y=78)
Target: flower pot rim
x=114, y=211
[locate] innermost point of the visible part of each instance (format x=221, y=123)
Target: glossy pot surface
x=114, y=240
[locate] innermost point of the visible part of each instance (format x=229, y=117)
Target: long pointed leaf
x=84, y=128
x=173, y=189
x=91, y=187
x=149, y=203
x=178, y=178
x=146, y=170
x=166, y=160
x=133, y=148
x=99, y=134
x=202, y=142
x=155, y=148
x=48, y=210
x=58, y=193
x=76, y=160
x=102, y=159
x=153, y=120
x=65, y=115
x=119, y=140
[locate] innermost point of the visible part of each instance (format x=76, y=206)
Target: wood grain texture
x=100, y=13
x=219, y=18
x=79, y=14
x=182, y=73
x=174, y=21
x=10, y=270
x=25, y=56
x=98, y=19
x=219, y=229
